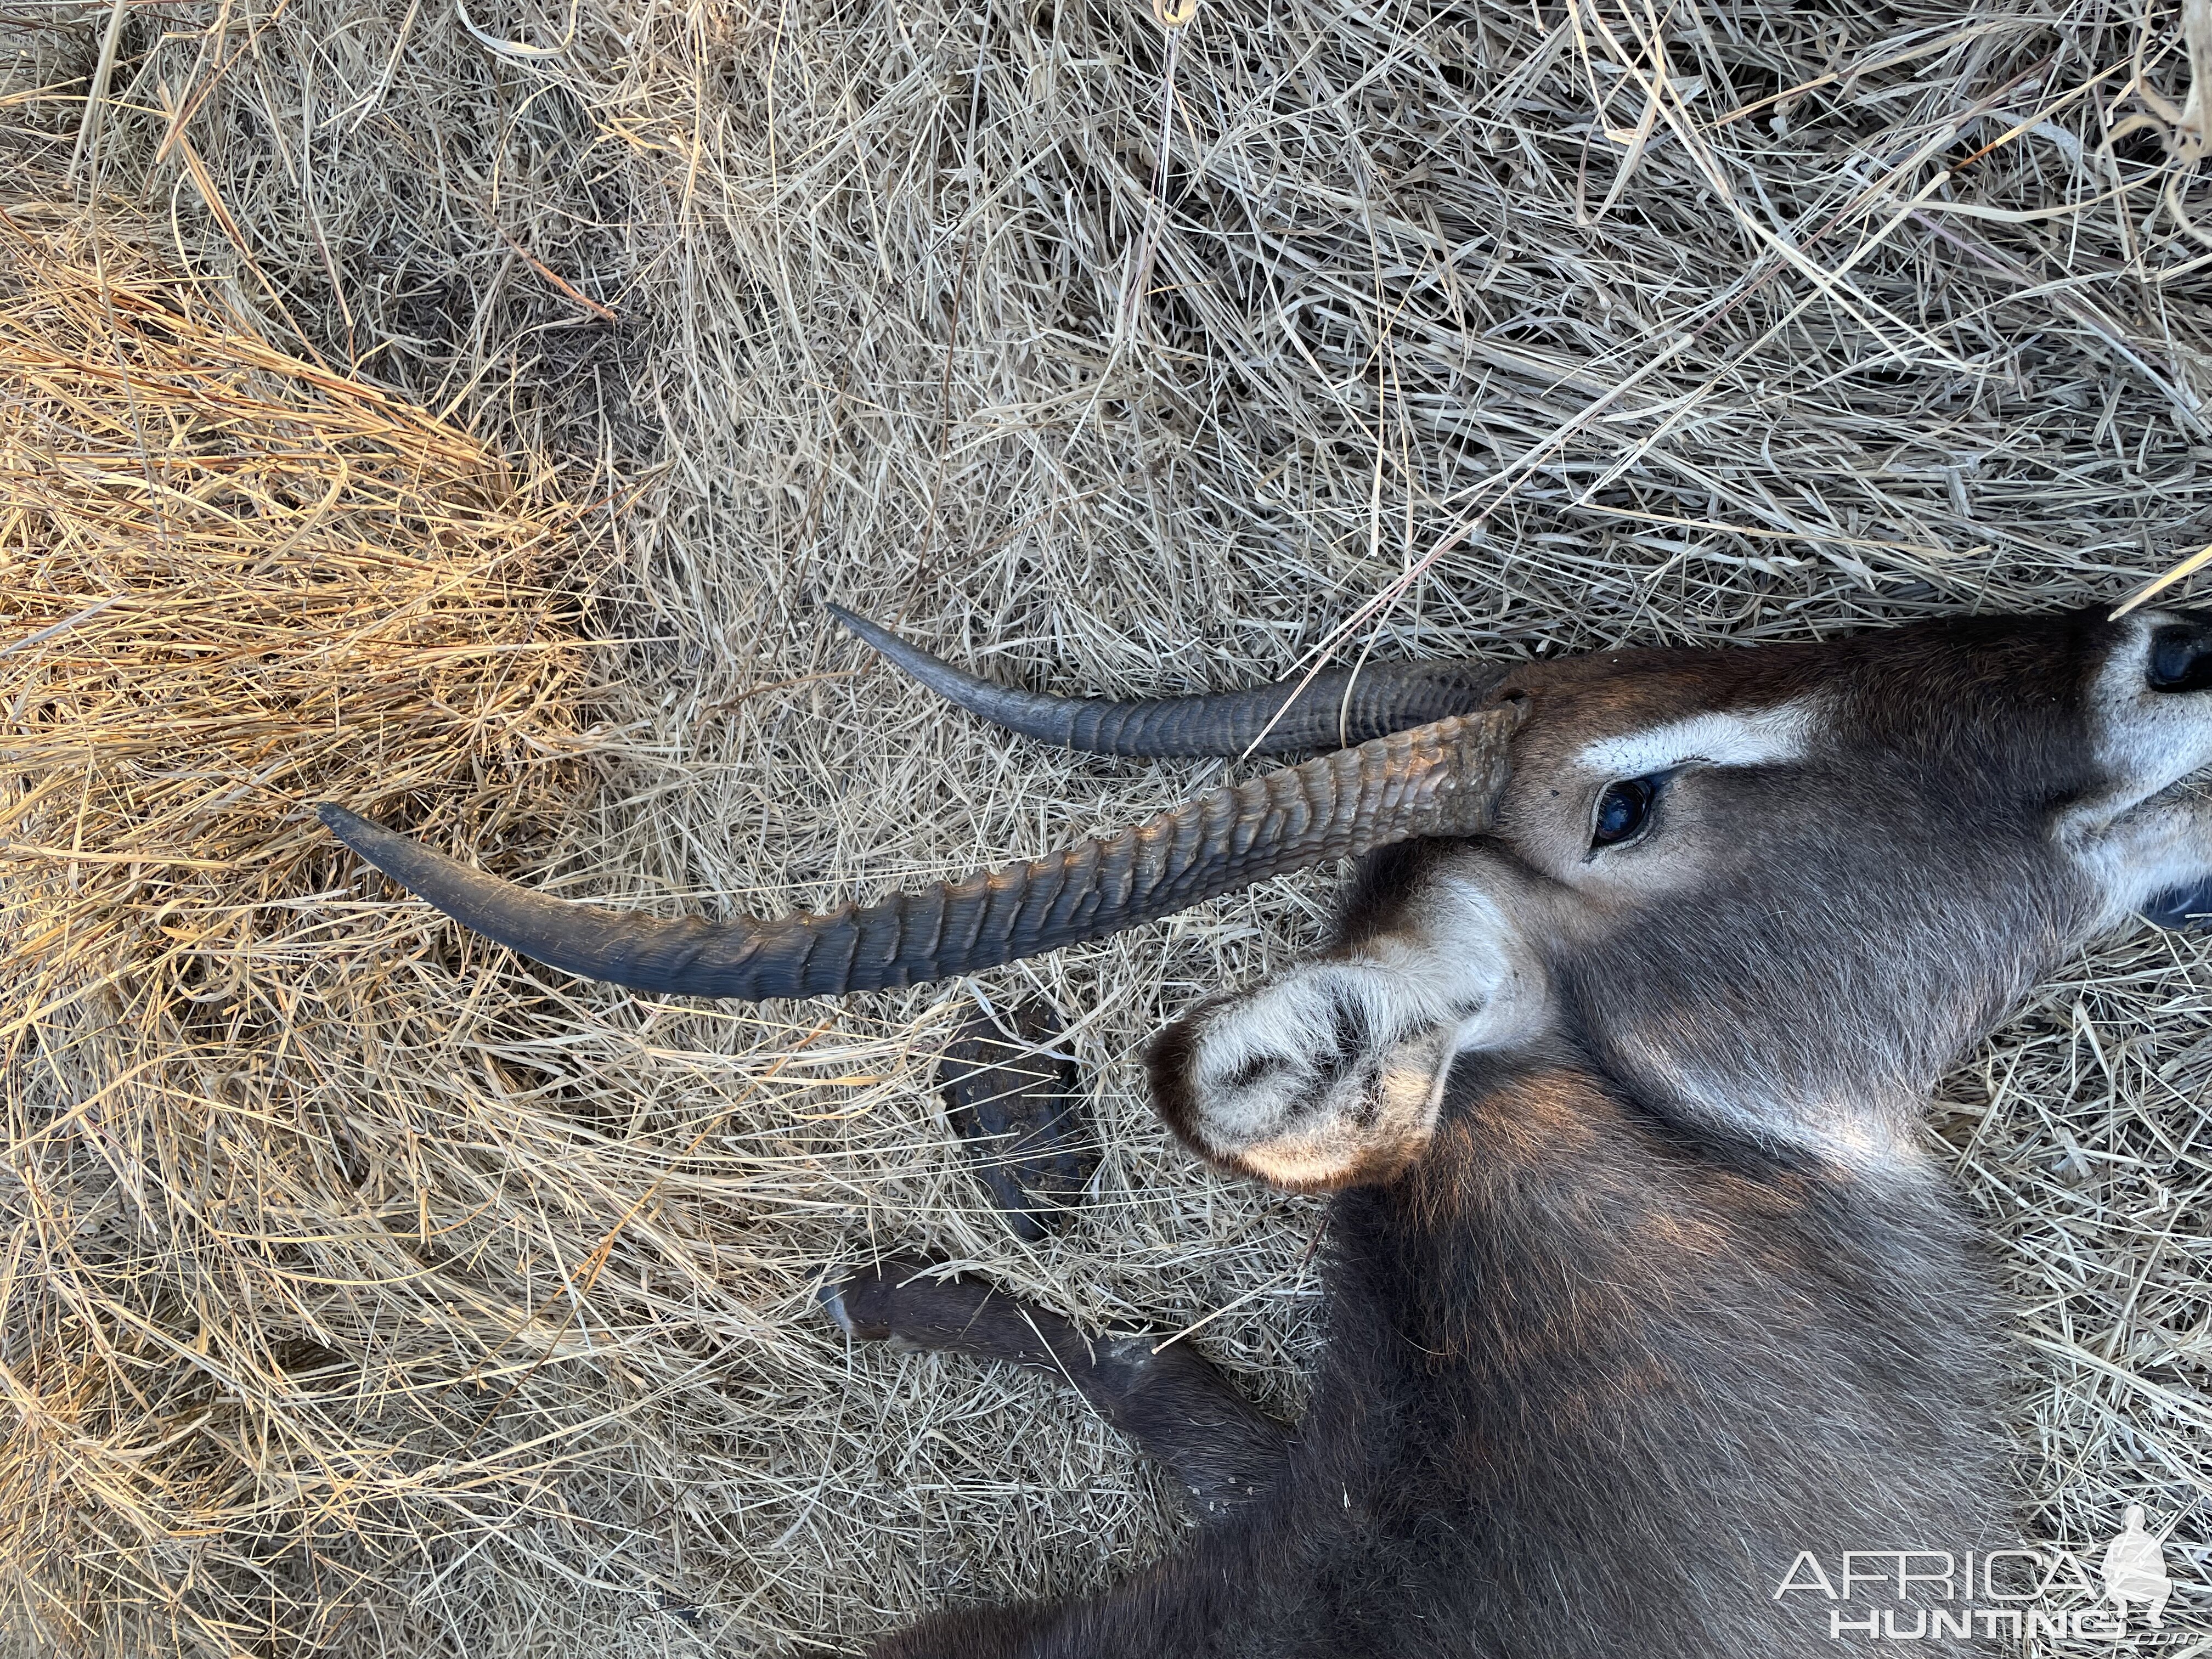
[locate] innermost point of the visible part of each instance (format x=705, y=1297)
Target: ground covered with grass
x=458, y=409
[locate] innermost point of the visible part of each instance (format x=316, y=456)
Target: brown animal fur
x=1645, y=1285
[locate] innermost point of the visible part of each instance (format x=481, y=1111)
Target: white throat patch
x=1757, y=736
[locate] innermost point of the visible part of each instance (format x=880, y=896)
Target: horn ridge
x=1441, y=779
x=1338, y=709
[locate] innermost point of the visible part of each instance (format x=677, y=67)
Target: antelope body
x=1642, y=1285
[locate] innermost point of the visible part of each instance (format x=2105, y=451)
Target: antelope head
x=1768, y=892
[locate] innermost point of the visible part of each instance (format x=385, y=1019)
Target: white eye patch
x=1760, y=737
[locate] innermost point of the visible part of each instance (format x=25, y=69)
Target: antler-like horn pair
x=1440, y=777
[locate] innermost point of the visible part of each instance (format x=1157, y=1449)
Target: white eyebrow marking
x=1756, y=737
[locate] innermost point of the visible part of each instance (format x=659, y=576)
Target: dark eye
x=2181, y=659
x=1622, y=810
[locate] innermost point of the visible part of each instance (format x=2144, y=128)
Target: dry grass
x=370, y=1292
x=232, y=584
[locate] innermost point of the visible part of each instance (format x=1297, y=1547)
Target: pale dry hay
x=232, y=584
x=1805, y=317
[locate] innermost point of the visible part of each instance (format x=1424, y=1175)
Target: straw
x=365, y=1290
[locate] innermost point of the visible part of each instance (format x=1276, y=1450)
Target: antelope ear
x=1333, y=1075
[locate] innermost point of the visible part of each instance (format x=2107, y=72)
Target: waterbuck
x=1644, y=1291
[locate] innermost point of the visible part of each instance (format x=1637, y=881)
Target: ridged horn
x=1441, y=779
x=1334, y=710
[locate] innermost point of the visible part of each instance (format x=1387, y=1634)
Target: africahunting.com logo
x=2117, y=1594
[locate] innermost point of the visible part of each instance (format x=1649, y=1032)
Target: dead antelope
x=1641, y=1283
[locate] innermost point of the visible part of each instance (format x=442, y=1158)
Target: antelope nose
x=2181, y=656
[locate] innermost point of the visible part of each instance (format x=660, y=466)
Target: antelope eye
x=1622, y=811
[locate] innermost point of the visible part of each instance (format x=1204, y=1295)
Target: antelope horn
x=1333, y=710
x=1441, y=779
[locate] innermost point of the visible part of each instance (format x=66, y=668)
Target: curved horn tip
x=366, y=837
x=904, y=653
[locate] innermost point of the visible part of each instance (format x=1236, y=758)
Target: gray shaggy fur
x=1654, y=1287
